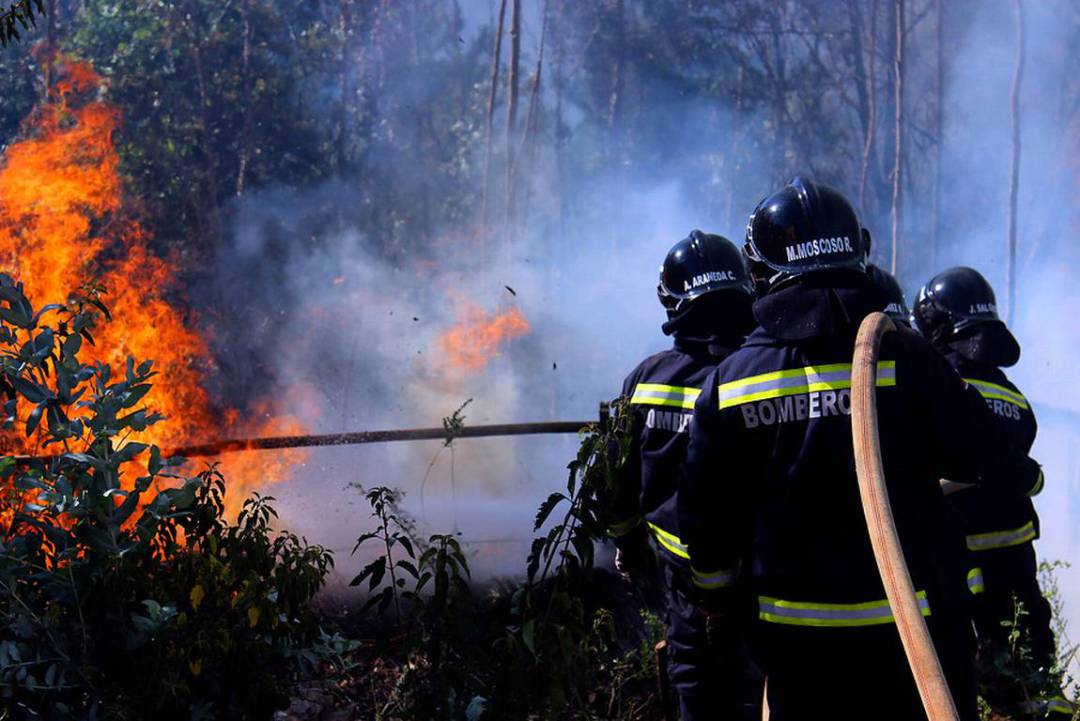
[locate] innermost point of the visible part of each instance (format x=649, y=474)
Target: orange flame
x=64, y=224
x=476, y=338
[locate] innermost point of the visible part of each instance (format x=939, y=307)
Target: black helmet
x=698, y=264
x=957, y=308
x=886, y=282
x=801, y=228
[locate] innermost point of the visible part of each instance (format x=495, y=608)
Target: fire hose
x=914, y=635
x=403, y=434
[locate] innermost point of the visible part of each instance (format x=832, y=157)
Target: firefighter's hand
x=632, y=562
x=718, y=627
x=717, y=610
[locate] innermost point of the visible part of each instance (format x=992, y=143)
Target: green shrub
x=109, y=610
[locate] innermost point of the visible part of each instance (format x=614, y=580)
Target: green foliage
x=432, y=581
x=1010, y=672
x=124, y=591
x=454, y=424
x=554, y=647
x=20, y=15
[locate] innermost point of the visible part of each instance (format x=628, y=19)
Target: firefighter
x=768, y=494
x=895, y=306
x=706, y=292
x=957, y=312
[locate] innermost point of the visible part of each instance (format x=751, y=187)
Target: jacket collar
x=815, y=305
x=715, y=348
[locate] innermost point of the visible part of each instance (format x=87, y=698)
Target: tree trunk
x=492, y=97
x=560, y=135
x=51, y=33
x=939, y=139
x=898, y=157
x=512, y=77
x=528, y=141
x=249, y=98
x=341, y=149
x=1014, y=163
x=871, y=106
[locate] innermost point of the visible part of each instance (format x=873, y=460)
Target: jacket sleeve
x=968, y=445
x=625, y=520
x=711, y=499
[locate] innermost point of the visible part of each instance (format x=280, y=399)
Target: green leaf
x=528, y=635
x=408, y=567
x=375, y=570
x=407, y=545
x=546, y=508
x=34, y=418
x=30, y=390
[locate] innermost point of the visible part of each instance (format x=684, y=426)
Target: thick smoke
x=323, y=310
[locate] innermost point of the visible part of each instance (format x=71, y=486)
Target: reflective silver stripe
x=834, y=376
x=1002, y=539
x=658, y=394
x=712, y=581
x=975, y=580
x=669, y=541
x=799, y=613
x=999, y=392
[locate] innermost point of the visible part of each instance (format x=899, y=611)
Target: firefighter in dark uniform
x=768, y=492
x=957, y=312
x=706, y=292
x=895, y=305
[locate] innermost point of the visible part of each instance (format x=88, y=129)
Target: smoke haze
x=324, y=308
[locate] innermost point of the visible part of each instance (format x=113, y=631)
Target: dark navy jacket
x=662, y=390
x=993, y=518
x=769, y=483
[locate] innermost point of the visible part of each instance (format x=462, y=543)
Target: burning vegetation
x=66, y=228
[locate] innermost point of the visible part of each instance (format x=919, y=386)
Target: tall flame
x=64, y=225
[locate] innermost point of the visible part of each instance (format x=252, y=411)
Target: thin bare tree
x=493, y=94
x=249, y=97
x=871, y=105
x=512, y=80
x=939, y=135
x=898, y=157
x=1014, y=162
x=527, y=149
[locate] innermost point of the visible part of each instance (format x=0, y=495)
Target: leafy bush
x=124, y=592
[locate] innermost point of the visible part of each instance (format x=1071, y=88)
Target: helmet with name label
x=886, y=282
x=957, y=309
x=800, y=228
x=699, y=264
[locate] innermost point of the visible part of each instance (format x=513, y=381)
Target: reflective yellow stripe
x=831, y=615
x=1001, y=539
x=669, y=541
x=796, y=381
x=998, y=392
x=1059, y=704
x=618, y=530
x=1037, y=488
x=658, y=394
x=712, y=581
x=1043, y=707
x=975, y=581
